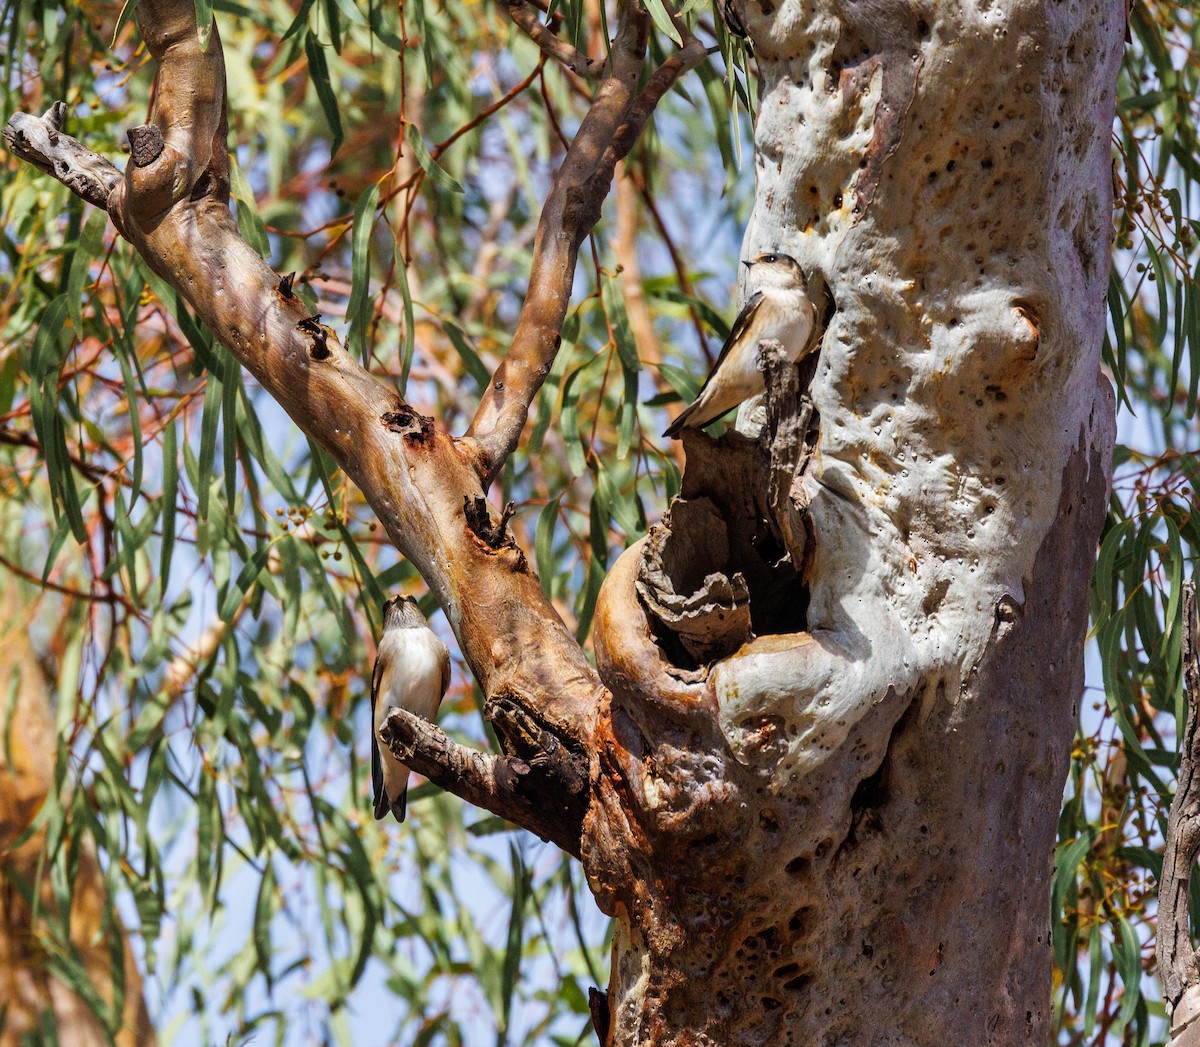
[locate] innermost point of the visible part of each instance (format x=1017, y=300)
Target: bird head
x=773, y=270
x=402, y=612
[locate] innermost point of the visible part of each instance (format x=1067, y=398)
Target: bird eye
x=769, y=258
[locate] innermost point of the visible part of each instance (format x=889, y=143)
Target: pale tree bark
x=816, y=772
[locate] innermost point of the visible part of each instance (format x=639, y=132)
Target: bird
x=412, y=671
x=780, y=310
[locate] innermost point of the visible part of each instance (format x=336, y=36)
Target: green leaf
x=576, y=458
x=1128, y=955
x=299, y=21
x=229, y=401
x=662, y=21
x=170, y=497
x=245, y=579
x=430, y=166
x=204, y=21
x=683, y=383
x=334, y=22
x=263, y=912
x=208, y=442
x=618, y=318
x=91, y=242
x=471, y=362
x=510, y=968
x=623, y=507
x=250, y=223
x=209, y=840
x=127, y=10
x=358, y=311
x=627, y=417
x=543, y=545
x=1067, y=857
x=351, y=12
x=318, y=73
x=587, y=598
x=410, y=337
x=1118, y=361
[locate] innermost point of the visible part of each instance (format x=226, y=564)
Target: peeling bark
x=428, y=489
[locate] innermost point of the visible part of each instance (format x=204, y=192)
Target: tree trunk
x=36, y=999
x=816, y=772
x=844, y=835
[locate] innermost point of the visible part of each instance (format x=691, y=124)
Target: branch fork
x=609, y=130
x=428, y=489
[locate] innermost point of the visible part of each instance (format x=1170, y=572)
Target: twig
x=525, y=17
x=109, y=597
x=1177, y=961
x=174, y=211
x=607, y=133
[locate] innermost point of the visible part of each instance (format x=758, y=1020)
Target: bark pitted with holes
x=816, y=770
x=849, y=821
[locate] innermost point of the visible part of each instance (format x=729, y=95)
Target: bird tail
x=673, y=431
x=379, y=796
x=398, y=807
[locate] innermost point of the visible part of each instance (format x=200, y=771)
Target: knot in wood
x=311, y=325
x=416, y=428
x=479, y=519
x=146, y=144
x=55, y=115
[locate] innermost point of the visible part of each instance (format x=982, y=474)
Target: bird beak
x=746, y=263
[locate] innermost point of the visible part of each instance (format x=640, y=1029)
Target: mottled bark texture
x=843, y=832
x=1177, y=961
x=816, y=771
x=171, y=203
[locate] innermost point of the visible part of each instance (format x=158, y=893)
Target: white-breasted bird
x=412, y=671
x=779, y=309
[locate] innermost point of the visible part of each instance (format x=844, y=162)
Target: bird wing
x=740, y=326
x=377, y=798
x=445, y=682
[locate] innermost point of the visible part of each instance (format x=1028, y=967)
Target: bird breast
x=789, y=322
x=412, y=678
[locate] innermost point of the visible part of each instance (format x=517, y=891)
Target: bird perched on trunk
x=412, y=671
x=779, y=310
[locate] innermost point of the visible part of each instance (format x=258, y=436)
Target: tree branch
x=525, y=17
x=172, y=205
x=1177, y=961
x=607, y=133
x=37, y=140
x=546, y=794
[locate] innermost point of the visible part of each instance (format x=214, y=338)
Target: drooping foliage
x=202, y=586
x=205, y=586
x=1125, y=759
